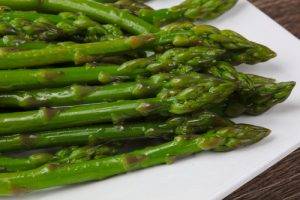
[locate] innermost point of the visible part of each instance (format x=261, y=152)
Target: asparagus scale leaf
x=132, y=6
x=223, y=139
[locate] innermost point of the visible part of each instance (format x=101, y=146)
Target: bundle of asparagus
x=116, y=108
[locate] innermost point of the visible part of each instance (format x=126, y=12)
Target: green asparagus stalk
x=196, y=123
x=25, y=79
x=239, y=49
x=80, y=94
x=65, y=156
x=223, y=139
x=56, y=77
x=187, y=10
x=167, y=102
x=17, y=43
x=10, y=164
x=266, y=94
x=100, y=12
x=48, y=27
x=79, y=53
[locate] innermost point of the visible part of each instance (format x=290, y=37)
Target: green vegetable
x=265, y=95
x=79, y=53
x=238, y=49
x=80, y=94
x=187, y=10
x=100, y=12
x=196, y=123
x=27, y=79
x=193, y=98
x=44, y=78
x=12, y=43
x=64, y=156
x=55, y=174
x=64, y=26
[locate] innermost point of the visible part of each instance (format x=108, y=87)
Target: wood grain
x=285, y=12
x=282, y=181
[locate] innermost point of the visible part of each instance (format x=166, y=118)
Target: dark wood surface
x=282, y=181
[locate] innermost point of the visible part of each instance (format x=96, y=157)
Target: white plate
x=210, y=176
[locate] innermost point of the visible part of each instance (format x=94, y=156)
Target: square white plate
x=210, y=176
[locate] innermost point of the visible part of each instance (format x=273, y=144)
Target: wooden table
x=282, y=181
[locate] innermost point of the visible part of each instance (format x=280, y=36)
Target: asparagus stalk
x=167, y=102
x=239, y=49
x=187, y=10
x=56, y=77
x=80, y=94
x=17, y=43
x=100, y=12
x=79, y=53
x=65, y=156
x=196, y=123
x=266, y=94
x=47, y=27
x=223, y=139
x=26, y=79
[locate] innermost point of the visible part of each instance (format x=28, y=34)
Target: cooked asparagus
x=223, y=139
x=91, y=135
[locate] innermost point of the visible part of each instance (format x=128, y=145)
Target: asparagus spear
x=26, y=79
x=100, y=12
x=17, y=43
x=239, y=49
x=47, y=27
x=80, y=94
x=187, y=10
x=196, y=123
x=223, y=139
x=40, y=78
x=167, y=102
x=266, y=94
x=79, y=53
x=65, y=156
